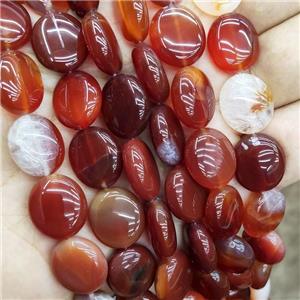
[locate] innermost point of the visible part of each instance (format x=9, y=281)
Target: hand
x=26, y=272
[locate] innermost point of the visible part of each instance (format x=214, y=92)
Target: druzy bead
x=224, y=211
x=185, y=198
x=260, y=274
x=234, y=254
x=41, y=6
x=77, y=100
x=210, y=158
x=167, y=135
x=102, y=43
x=233, y=43
x=58, y=42
x=131, y=271
x=79, y=265
x=141, y=169
x=151, y=73
x=161, y=229
x=21, y=83
x=95, y=157
x=36, y=145
x=135, y=19
x=260, y=162
x=124, y=93
x=83, y=7
x=240, y=280
x=15, y=25
x=116, y=217
x=57, y=206
x=169, y=43
x=193, y=97
x=173, y=277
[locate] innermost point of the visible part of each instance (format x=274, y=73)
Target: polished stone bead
x=186, y=199
x=260, y=274
x=95, y=157
x=141, y=169
x=41, y=6
x=224, y=211
x=233, y=43
x=117, y=217
x=151, y=73
x=161, y=228
x=193, y=295
x=173, y=277
x=83, y=7
x=98, y=295
x=36, y=145
x=102, y=43
x=21, y=83
x=193, y=97
x=58, y=42
x=15, y=25
x=134, y=19
x=77, y=100
x=218, y=7
x=131, y=271
x=79, y=265
x=167, y=135
x=260, y=162
x=210, y=158
x=244, y=294
x=57, y=206
x=124, y=93
x=169, y=43
x=240, y=281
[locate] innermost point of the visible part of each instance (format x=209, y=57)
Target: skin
x=25, y=253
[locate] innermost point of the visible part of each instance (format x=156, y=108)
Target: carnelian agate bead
x=15, y=25
x=124, y=93
x=260, y=162
x=192, y=295
x=102, y=43
x=116, y=217
x=210, y=158
x=57, y=206
x=173, y=277
x=151, y=73
x=21, y=83
x=131, y=271
x=41, y=6
x=193, y=97
x=240, y=281
x=167, y=135
x=224, y=211
x=161, y=229
x=185, y=198
x=169, y=43
x=141, y=169
x=95, y=157
x=244, y=294
x=135, y=19
x=260, y=274
x=58, y=42
x=233, y=43
x=79, y=265
x=83, y=7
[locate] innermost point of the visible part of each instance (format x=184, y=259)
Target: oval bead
x=21, y=83
x=260, y=162
x=135, y=19
x=102, y=43
x=161, y=229
x=260, y=274
x=244, y=294
x=57, y=206
x=15, y=24
x=36, y=145
x=173, y=277
x=131, y=271
x=193, y=97
x=116, y=217
x=95, y=157
x=232, y=43
x=167, y=135
x=58, y=42
x=76, y=256
x=224, y=211
x=169, y=43
x=192, y=295
x=151, y=73
x=83, y=7
x=218, y=8
x=210, y=158
x=141, y=169
x=42, y=7
x=202, y=246
x=124, y=93
x=240, y=281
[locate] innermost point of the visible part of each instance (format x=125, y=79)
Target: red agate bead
x=83, y=7
x=41, y=6
x=260, y=274
x=192, y=295
x=244, y=294
x=240, y=281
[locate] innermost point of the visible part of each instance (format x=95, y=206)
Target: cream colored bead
x=217, y=7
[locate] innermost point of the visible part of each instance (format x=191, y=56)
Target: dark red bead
x=244, y=294
x=192, y=295
x=83, y=7
x=260, y=274
x=240, y=281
